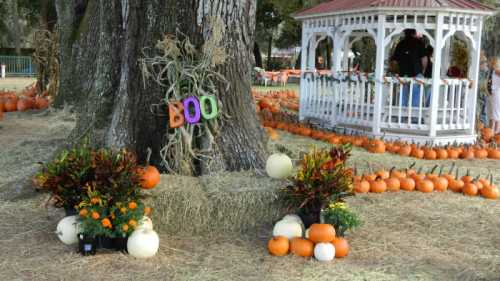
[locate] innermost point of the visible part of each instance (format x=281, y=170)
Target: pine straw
x=405, y=236
x=219, y=203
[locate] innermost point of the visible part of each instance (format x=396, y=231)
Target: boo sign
x=192, y=110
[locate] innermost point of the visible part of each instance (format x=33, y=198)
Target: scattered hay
x=219, y=203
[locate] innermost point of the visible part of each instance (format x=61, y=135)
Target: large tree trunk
x=101, y=42
x=16, y=26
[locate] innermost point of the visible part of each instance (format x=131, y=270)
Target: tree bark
x=101, y=42
x=16, y=26
x=270, y=52
x=257, y=55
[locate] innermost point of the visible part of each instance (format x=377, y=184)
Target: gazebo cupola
x=373, y=102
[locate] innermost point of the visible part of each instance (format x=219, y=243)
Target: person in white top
x=495, y=96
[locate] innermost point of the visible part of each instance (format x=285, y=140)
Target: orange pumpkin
x=41, y=103
x=321, y=233
x=416, y=152
x=442, y=153
x=487, y=134
x=404, y=150
x=440, y=184
x=456, y=185
x=480, y=153
x=425, y=186
x=301, y=247
x=453, y=153
x=378, y=186
x=376, y=146
x=10, y=105
x=490, y=192
x=393, y=184
x=341, y=247
x=361, y=186
x=150, y=177
x=407, y=184
x=430, y=154
x=383, y=174
x=470, y=189
x=278, y=246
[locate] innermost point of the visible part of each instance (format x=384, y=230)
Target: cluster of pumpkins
x=142, y=243
x=381, y=146
x=274, y=101
x=410, y=180
x=487, y=135
x=27, y=100
x=319, y=240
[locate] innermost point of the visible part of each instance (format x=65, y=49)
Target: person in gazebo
x=411, y=58
x=495, y=95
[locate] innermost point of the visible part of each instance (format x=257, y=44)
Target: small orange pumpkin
x=301, y=247
x=407, y=184
x=470, y=189
x=393, y=184
x=278, y=246
x=425, y=186
x=361, y=186
x=378, y=185
x=341, y=247
x=440, y=184
x=150, y=177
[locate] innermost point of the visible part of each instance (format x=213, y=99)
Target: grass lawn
x=290, y=86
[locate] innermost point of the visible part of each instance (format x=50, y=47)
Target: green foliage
x=74, y=172
x=321, y=178
x=343, y=219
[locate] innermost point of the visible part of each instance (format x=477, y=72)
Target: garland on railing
x=358, y=76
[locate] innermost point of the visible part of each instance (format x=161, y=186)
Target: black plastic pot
x=104, y=242
x=70, y=211
x=120, y=244
x=311, y=214
x=87, y=245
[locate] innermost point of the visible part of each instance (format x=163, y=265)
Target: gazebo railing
x=351, y=103
x=18, y=65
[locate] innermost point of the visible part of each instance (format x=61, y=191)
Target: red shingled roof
x=349, y=5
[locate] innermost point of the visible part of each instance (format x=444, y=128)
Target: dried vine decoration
x=46, y=59
x=183, y=70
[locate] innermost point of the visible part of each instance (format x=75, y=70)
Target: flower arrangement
x=102, y=186
x=322, y=178
x=343, y=219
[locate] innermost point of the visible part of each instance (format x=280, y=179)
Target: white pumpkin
x=289, y=229
x=279, y=166
x=295, y=218
x=324, y=251
x=67, y=230
x=145, y=223
x=143, y=243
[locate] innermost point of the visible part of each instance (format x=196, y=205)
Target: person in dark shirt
x=429, y=52
x=411, y=58
x=410, y=55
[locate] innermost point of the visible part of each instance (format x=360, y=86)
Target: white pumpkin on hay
x=288, y=228
x=143, y=243
x=324, y=251
x=279, y=165
x=67, y=230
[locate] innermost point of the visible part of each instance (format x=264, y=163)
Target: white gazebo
x=372, y=102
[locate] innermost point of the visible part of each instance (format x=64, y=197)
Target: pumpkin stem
x=412, y=165
x=456, y=173
x=148, y=157
x=440, y=170
x=433, y=169
x=452, y=167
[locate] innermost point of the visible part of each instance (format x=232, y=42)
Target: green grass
x=290, y=86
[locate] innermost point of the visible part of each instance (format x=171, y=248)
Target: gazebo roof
x=341, y=6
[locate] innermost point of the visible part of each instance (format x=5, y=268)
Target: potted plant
x=341, y=217
x=127, y=217
x=65, y=177
x=321, y=178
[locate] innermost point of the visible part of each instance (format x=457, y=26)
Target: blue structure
x=18, y=65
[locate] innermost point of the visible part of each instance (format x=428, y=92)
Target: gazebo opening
x=365, y=88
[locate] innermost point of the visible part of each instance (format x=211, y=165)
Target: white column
x=346, y=48
x=303, y=67
x=436, y=76
x=446, y=57
x=337, y=49
x=311, y=61
x=475, y=64
x=379, y=75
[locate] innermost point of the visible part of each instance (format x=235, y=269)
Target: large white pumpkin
x=67, y=230
x=324, y=251
x=295, y=218
x=289, y=229
x=145, y=223
x=143, y=243
x=279, y=166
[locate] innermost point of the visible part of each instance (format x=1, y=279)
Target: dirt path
x=405, y=236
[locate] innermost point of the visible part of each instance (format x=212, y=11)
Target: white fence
x=406, y=103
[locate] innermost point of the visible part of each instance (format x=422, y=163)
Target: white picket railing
x=351, y=103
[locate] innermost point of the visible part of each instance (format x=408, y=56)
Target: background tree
x=101, y=42
x=268, y=20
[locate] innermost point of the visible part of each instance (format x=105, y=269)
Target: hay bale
x=214, y=204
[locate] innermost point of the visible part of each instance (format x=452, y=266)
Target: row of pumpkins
x=274, y=101
x=410, y=180
x=381, y=146
x=27, y=100
x=319, y=240
x=142, y=243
